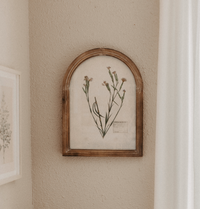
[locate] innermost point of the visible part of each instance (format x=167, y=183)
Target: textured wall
x=14, y=53
x=60, y=30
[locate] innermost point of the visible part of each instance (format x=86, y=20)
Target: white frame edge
x=18, y=170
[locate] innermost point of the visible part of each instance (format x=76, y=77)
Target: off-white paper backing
x=83, y=131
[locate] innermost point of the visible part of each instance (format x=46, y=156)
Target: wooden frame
x=10, y=146
x=67, y=150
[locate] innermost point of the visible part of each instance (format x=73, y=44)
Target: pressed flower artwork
x=103, y=105
x=5, y=128
x=9, y=125
x=103, y=123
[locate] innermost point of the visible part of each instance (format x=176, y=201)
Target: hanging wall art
x=10, y=160
x=102, y=100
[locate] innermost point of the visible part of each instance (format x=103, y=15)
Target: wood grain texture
x=66, y=151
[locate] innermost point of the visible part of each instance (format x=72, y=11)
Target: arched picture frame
x=102, y=104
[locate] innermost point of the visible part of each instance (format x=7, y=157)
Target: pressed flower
x=86, y=78
x=116, y=77
x=5, y=132
x=104, y=123
x=111, y=76
x=108, y=87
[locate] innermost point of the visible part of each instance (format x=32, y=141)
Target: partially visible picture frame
x=102, y=106
x=10, y=145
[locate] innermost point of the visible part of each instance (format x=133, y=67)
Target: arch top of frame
x=103, y=52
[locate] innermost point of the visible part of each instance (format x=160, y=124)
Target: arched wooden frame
x=66, y=150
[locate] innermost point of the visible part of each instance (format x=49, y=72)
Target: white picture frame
x=10, y=144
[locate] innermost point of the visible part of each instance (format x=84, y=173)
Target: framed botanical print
x=102, y=102
x=10, y=160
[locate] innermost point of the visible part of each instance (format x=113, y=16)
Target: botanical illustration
x=116, y=97
x=5, y=129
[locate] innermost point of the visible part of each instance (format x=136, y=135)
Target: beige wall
x=14, y=53
x=59, y=31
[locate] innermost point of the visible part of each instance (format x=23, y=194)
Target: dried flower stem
x=113, y=93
